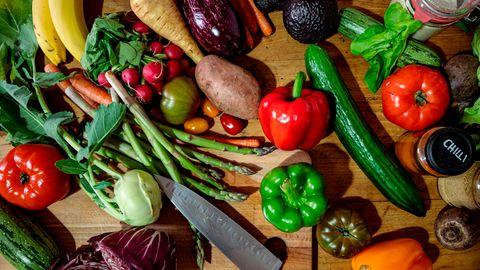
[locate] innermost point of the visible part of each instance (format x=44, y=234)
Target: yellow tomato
x=196, y=125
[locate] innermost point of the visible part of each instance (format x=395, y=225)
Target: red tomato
x=415, y=97
x=29, y=178
x=231, y=124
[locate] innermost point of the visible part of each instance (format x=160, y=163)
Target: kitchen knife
x=229, y=237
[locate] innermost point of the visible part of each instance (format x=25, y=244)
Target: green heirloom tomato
x=342, y=232
x=139, y=197
x=293, y=197
x=180, y=100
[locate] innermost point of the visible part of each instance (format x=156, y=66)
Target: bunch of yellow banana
x=60, y=26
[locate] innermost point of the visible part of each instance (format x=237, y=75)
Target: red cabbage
x=130, y=249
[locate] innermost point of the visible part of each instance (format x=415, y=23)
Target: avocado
x=311, y=21
x=267, y=6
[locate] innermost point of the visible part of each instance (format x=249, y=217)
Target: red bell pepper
x=294, y=118
x=415, y=97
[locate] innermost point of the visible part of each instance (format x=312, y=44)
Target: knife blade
x=236, y=243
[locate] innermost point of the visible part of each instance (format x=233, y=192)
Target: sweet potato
x=231, y=88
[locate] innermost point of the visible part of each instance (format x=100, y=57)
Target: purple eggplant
x=215, y=26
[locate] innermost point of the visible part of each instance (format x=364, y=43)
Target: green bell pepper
x=293, y=197
x=180, y=100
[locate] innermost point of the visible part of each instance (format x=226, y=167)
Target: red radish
x=141, y=27
x=102, y=80
x=158, y=86
x=185, y=63
x=190, y=72
x=174, y=69
x=156, y=47
x=144, y=93
x=172, y=51
x=130, y=76
x=153, y=72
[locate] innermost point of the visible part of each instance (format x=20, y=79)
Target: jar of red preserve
x=439, y=151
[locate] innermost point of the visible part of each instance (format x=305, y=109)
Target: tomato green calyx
x=24, y=178
x=298, y=84
x=420, y=98
x=345, y=232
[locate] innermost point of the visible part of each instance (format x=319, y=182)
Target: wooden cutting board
x=274, y=62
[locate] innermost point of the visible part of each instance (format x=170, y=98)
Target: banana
x=47, y=37
x=69, y=21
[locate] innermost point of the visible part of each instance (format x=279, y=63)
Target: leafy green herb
x=105, y=120
x=71, y=166
x=471, y=115
x=111, y=45
x=102, y=185
x=382, y=45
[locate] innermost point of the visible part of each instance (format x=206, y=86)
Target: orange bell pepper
x=397, y=254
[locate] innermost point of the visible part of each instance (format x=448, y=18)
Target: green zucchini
x=354, y=22
x=23, y=243
x=359, y=140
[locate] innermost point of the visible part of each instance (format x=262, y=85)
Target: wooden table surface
x=275, y=61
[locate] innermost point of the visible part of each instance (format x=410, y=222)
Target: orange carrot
x=243, y=142
x=246, y=14
x=262, y=21
x=88, y=89
x=52, y=68
x=66, y=86
x=248, y=38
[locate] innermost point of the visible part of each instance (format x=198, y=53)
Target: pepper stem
x=420, y=98
x=292, y=196
x=297, y=85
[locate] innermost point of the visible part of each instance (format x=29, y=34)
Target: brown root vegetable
x=231, y=88
x=457, y=228
x=163, y=17
x=461, y=70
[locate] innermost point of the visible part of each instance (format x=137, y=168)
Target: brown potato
x=231, y=88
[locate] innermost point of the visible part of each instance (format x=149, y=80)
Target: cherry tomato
x=29, y=178
x=209, y=109
x=231, y=124
x=196, y=125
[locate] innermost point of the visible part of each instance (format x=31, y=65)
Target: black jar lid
x=450, y=151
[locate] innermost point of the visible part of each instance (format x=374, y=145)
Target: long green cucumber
x=23, y=243
x=353, y=22
x=361, y=142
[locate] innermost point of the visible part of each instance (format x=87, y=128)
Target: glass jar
x=436, y=14
x=439, y=151
x=462, y=190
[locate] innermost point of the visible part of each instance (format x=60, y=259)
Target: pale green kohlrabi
x=139, y=197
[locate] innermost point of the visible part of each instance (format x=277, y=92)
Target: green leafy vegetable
x=471, y=115
x=71, y=166
x=105, y=120
x=102, y=185
x=110, y=45
x=53, y=123
x=382, y=45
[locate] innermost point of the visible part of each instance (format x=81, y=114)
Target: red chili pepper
x=29, y=178
x=231, y=124
x=294, y=118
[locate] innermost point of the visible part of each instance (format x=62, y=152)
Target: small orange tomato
x=209, y=109
x=196, y=125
